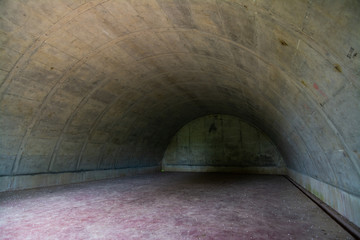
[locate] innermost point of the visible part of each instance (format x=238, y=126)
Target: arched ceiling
x=105, y=84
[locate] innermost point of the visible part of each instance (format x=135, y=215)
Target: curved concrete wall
x=222, y=143
x=105, y=84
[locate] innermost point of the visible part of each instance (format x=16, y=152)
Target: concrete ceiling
x=106, y=83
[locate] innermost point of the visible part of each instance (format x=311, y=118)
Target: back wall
x=221, y=142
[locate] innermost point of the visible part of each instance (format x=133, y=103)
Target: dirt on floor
x=167, y=206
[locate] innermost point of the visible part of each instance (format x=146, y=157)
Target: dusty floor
x=167, y=206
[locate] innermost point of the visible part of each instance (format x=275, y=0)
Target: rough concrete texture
x=169, y=206
x=227, y=169
x=105, y=84
x=343, y=202
x=10, y=183
x=221, y=141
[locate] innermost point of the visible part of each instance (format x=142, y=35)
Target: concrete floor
x=167, y=206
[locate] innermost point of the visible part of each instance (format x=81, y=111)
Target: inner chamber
x=100, y=89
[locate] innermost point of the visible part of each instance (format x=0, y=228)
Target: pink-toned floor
x=167, y=206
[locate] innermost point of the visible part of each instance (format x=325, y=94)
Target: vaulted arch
x=88, y=86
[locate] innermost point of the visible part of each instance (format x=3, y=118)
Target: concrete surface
x=167, y=206
x=213, y=169
x=221, y=141
x=20, y=182
x=105, y=84
x=345, y=203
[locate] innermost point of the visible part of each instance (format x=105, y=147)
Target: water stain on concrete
x=337, y=68
x=283, y=42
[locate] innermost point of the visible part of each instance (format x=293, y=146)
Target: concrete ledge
x=344, y=203
x=252, y=170
x=20, y=182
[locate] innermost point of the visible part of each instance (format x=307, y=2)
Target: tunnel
x=109, y=89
